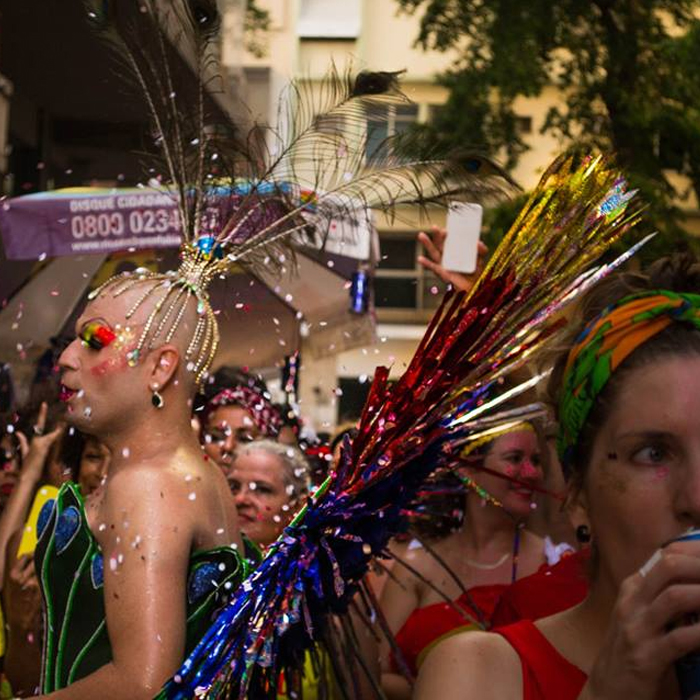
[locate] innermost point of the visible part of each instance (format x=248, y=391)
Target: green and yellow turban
x=602, y=347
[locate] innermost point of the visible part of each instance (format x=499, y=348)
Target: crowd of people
x=524, y=571
x=259, y=473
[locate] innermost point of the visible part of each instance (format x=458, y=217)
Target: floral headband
x=265, y=416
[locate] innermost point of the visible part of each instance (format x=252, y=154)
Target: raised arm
x=34, y=455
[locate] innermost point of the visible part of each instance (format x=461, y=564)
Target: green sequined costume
x=70, y=569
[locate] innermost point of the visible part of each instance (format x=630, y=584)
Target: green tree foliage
x=627, y=70
x=256, y=26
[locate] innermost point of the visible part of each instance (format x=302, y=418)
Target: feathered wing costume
x=247, y=199
x=407, y=430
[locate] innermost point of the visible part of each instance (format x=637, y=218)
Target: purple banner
x=54, y=224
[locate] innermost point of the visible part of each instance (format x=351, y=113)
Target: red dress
x=547, y=675
x=427, y=626
x=551, y=589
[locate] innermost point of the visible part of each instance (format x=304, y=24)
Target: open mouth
x=66, y=394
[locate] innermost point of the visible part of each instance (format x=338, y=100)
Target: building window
x=383, y=122
x=333, y=124
x=353, y=395
x=329, y=19
x=523, y=125
x=352, y=398
x=435, y=112
x=400, y=282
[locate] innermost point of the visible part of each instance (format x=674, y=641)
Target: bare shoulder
x=186, y=499
x=532, y=539
x=417, y=556
x=144, y=484
x=408, y=560
x=186, y=477
x=471, y=665
x=430, y=561
x=145, y=498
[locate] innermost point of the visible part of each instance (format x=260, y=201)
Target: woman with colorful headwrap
x=234, y=416
x=502, y=474
x=628, y=396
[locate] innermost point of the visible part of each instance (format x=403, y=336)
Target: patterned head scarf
x=602, y=347
x=265, y=416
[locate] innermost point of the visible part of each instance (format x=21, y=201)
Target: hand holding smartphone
x=463, y=233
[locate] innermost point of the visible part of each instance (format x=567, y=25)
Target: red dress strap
x=547, y=675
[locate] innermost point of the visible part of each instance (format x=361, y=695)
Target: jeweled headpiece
x=248, y=201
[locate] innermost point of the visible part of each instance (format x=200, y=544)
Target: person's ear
x=576, y=505
x=164, y=361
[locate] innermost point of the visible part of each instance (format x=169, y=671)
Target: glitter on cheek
x=109, y=366
x=661, y=473
x=613, y=481
x=125, y=338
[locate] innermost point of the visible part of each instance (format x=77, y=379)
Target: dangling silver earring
x=156, y=399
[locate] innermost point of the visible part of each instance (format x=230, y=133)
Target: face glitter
x=661, y=472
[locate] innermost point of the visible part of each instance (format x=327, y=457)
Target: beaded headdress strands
x=249, y=198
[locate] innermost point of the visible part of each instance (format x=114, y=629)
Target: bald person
x=132, y=577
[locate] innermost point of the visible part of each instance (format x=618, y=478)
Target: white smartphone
x=463, y=233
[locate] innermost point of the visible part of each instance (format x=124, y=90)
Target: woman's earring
x=156, y=399
x=583, y=534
